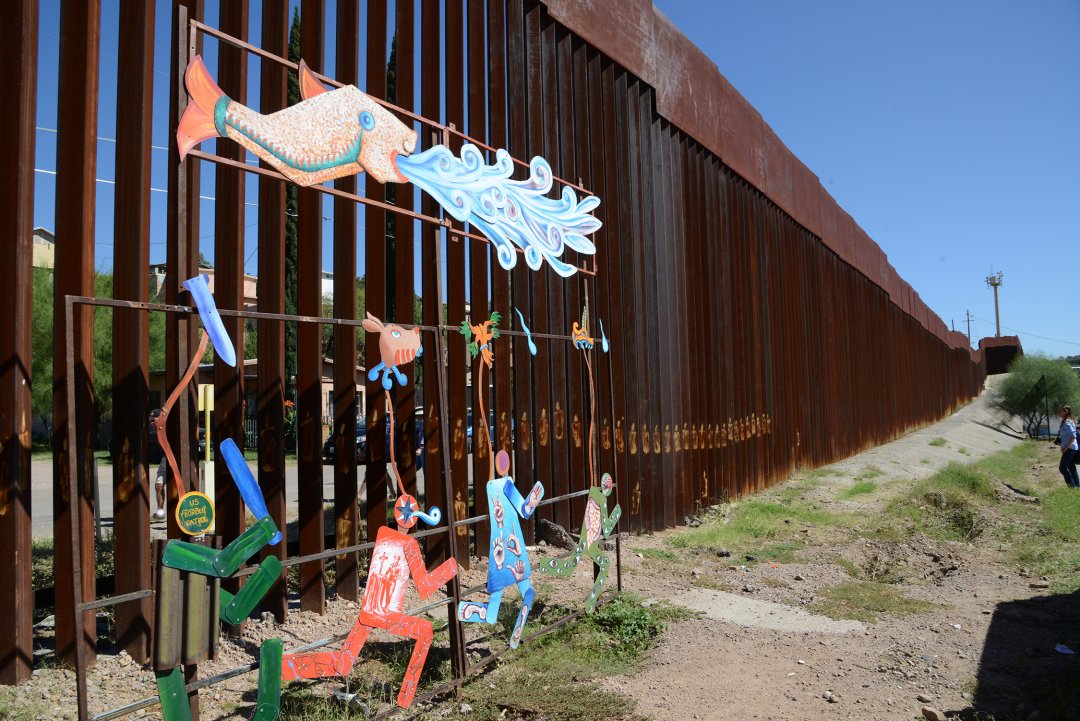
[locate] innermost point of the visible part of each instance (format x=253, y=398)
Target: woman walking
x=1069, y=447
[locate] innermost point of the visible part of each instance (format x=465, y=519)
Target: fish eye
x=367, y=120
x=396, y=333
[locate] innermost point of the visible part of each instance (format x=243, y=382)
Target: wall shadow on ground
x=1021, y=676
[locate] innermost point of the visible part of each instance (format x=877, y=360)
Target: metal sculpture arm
x=524, y=506
x=428, y=583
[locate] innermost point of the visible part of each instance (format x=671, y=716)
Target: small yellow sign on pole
x=206, y=407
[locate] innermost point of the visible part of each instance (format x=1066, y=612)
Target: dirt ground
x=755, y=651
x=756, y=654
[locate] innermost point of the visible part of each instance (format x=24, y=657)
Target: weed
x=552, y=676
x=867, y=601
x=783, y=552
x=710, y=583
x=16, y=708
x=848, y=565
x=869, y=473
x=757, y=520
x=938, y=442
x=859, y=488
x=658, y=554
x=925, y=461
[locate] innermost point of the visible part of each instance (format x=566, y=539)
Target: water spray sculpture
x=508, y=562
x=394, y=559
x=182, y=599
x=336, y=133
x=598, y=523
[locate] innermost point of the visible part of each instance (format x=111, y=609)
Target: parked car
x=330, y=449
x=361, y=440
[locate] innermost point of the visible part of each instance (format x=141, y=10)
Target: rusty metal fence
x=754, y=328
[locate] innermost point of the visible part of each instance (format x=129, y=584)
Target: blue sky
x=950, y=131
x=947, y=129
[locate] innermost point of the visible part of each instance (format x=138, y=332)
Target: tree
x=43, y=336
x=41, y=354
x=1035, y=384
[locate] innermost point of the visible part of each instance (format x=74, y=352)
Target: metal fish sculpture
x=336, y=133
x=330, y=134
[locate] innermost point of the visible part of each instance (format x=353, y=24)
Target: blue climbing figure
x=508, y=562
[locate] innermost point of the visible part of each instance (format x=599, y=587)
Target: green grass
x=951, y=505
x=765, y=528
x=15, y=708
x=938, y=442
x=859, y=488
x=822, y=473
x=553, y=677
x=867, y=601
x=42, y=557
x=658, y=554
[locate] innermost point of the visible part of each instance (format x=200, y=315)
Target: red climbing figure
x=395, y=557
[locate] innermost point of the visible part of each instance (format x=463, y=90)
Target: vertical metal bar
x=455, y=286
x=131, y=261
x=585, y=429
x=523, y=416
x=181, y=256
x=182, y=248
x=375, y=288
x=618, y=160
x=478, y=255
x=76, y=143
x=229, y=217
x=346, y=496
x=558, y=483
x=309, y=350
x=80, y=651
x=541, y=368
x=500, y=279
x=271, y=333
x=568, y=298
x=402, y=272
x=431, y=279
x=16, y=255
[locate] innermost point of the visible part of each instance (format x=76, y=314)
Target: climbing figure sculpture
x=508, y=562
x=394, y=559
x=597, y=524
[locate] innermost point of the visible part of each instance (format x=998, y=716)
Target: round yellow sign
x=195, y=513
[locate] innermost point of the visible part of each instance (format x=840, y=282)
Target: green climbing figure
x=597, y=524
x=193, y=558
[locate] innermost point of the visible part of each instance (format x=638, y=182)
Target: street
x=41, y=481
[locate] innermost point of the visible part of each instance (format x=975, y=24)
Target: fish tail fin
x=197, y=123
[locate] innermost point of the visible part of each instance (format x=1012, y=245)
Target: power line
x=1021, y=332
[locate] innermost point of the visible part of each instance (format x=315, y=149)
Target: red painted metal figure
x=395, y=557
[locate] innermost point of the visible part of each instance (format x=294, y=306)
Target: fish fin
x=201, y=87
x=197, y=123
x=310, y=86
x=195, y=126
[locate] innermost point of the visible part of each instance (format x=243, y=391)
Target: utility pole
x=968, y=314
x=995, y=280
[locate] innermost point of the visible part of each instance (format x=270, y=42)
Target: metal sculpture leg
x=322, y=664
x=527, y=596
x=420, y=630
x=472, y=612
